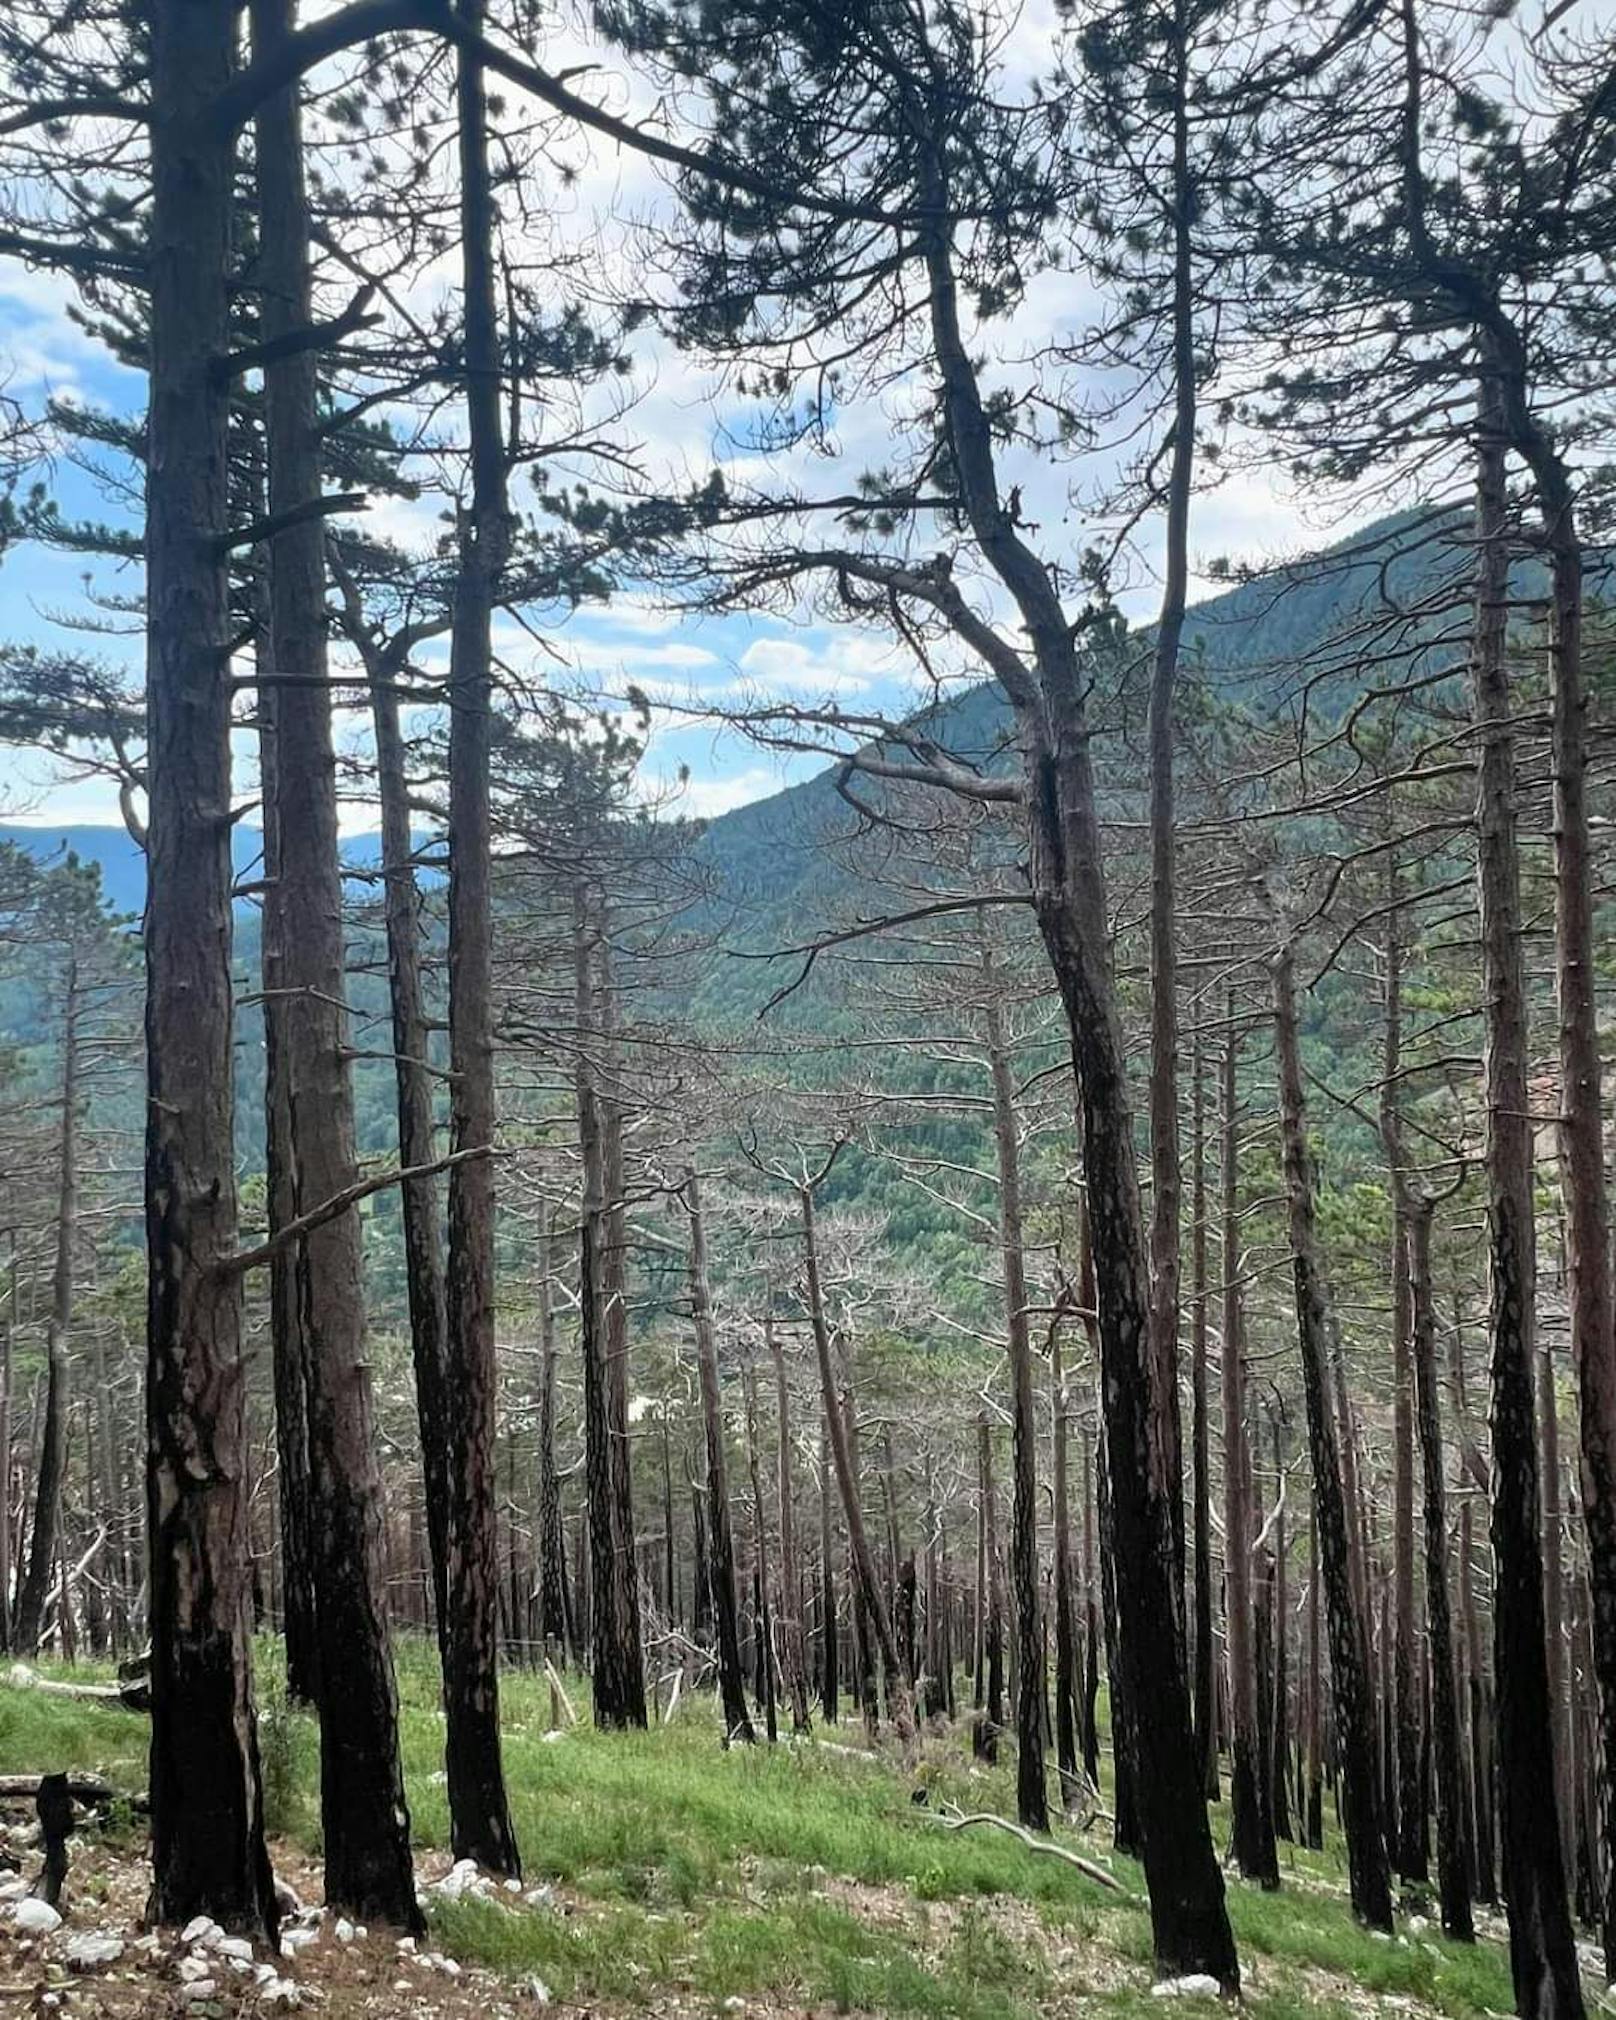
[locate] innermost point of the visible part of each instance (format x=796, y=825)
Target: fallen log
x=953, y=1819
x=133, y=1693
x=86, y=1789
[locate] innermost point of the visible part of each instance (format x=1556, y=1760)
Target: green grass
x=795, y=1872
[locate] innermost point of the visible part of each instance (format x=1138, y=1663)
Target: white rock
x=93, y=1950
x=734, y=2003
x=540, y=1897
x=294, y=1940
x=236, y=1948
x=405, y=1946
x=461, y=1879
x=345, y=1931
x=198, y=1990
x=12, y=1887
x=31, y=1917
x=538, y=1991
x=200, y=1929
x=281, y=1995
x=194, y=1969
x=1198, y=1985
x=513, y=1886
x=447, y=1966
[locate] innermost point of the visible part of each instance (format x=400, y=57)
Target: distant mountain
x=123, y=862
x=765, y=860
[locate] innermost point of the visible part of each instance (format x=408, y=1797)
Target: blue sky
x=677, y=417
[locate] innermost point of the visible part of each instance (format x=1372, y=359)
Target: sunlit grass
x=808, y=1873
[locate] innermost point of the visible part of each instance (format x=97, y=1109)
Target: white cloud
x=837, y=663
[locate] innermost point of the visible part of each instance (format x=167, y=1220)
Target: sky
x=683, y=421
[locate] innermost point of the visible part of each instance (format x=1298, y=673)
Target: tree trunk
x=1251, y=1818
x=208, y=1850
x=1189, y=1916
x=1453, y=1877
x=1032, y=1799
x=555, y=1609
x=1066, y=1636
x=760, y=1561
x=1406, y=1694
x=479, y=1815
x=1089, y=1719
x=616, y=1677
x=790, y=1606
x=614, y=1281
x=863, y=1562
x=1279, y=1751
x=43, y=1544
x=1205, y=1698
x=721, y=1546
x=1542, y=1954
x=364, y=1819
x=288, y=1347
x=827, y=1579
x=990, y=1679
x=1368, y=1872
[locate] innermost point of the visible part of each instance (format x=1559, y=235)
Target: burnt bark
x=43, y=1541
x=1251, y=1817
x=789, y=1608
x=1032, y=1799
x=364, y=1818
x=1368, y=1872
x=479, y=1814
x=720, y=1540
x=1205, y=1694
x=208, y=1851
x=1542, y=1953
x=1453, y=1874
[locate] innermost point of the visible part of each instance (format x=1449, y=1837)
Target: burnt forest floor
x=666, y=1875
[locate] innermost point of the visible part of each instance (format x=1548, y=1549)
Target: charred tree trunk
x=1205, y=1699
x=1066, y=1635
x=760, y=1561
x=1349, y=1666
x=789, y=1609
x=43, y=1543
x=479, y=1815
x=616, y=1675
x=555, y=1608
x=1542, y=1953
x=208, y=1849
x=614, y=1280
x=990, y=1686
x=1032, y=1799
x=720, y=1544
x=1406, y=1704
x=878, y=1617
x=288, y=1348
x=417, y=1136
x=828, y=1651
x=1189, y=1916
x=1251, y=1817
x=364, y=1818
x=1279, y=1751
x=1453, y=1876
x=1089, y=1701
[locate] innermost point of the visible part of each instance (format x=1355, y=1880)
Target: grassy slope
x=798, y=1876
